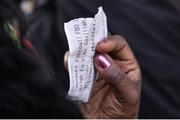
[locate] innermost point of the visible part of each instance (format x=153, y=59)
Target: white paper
x=83, y=34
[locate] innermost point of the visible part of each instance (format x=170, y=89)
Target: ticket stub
x=83, y=34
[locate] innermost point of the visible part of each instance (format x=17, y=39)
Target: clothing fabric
x=151, y=27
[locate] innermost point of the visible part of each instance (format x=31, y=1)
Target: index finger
x=116, y=45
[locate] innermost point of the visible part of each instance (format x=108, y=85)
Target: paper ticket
x=83, y=34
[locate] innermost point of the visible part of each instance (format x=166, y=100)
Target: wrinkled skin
x=116, y=93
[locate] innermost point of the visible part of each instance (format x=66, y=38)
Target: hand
x=116, y=94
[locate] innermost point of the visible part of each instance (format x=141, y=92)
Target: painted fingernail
x=103, y=62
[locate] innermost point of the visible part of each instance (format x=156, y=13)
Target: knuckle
x=118, y=75
x=121, y=41
x=135, y=96
x=119, y=37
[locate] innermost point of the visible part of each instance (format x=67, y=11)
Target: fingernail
x=103, y=62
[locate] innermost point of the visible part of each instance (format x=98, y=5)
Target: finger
x=116, y=45
x=66, y=55
x=118, y=48
x=126, y=88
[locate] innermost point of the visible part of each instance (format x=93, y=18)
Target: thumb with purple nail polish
x=102, y=62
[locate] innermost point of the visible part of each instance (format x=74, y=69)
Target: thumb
x=126, y=89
